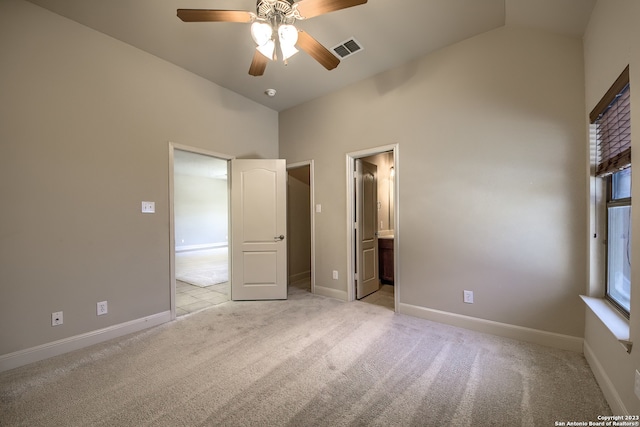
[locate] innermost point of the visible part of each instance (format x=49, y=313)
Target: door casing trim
x=350, y=160
x=172, y=238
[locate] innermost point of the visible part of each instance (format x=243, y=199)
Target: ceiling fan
x=272, y=28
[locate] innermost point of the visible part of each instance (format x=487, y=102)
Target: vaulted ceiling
x=391, y=33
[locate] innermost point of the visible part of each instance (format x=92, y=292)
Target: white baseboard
x=331, y=293
x=56, y=348
x=186, y=248
x=549, y=339
x=606, y=385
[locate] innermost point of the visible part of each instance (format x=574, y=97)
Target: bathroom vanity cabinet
x=385, y=260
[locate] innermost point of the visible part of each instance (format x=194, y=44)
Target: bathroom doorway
x=200, y=230
x=373, y=248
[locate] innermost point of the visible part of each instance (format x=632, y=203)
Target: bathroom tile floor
x=383, y=297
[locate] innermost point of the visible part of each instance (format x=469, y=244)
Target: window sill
x=614, y=321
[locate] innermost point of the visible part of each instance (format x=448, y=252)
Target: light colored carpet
x=203, y=268
x=307, y=361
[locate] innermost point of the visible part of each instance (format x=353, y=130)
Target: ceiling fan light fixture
x=287, y=51
x=261, y=32
x=267, y=49
x=288, y=35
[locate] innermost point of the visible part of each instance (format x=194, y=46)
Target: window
x=619, y=239
x=612, y=120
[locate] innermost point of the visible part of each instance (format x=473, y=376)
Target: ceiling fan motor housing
x=267, y=8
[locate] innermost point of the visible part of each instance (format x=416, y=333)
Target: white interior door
x=258, y=209
x=366, y=228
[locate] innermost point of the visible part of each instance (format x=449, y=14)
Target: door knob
x=280, y=237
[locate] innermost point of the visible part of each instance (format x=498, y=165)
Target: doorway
x=199, y=204
x=300, y=226
x=379, y=164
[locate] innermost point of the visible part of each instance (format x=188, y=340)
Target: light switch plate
x=148, y=207
x=467, y=297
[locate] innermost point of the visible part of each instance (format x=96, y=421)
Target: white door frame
x=351, y=209
x=312, y=211
x=172, y=231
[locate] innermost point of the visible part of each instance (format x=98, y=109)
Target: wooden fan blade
x=258, y=64
x=204, y=15
x=311, y=8
x=317, y=51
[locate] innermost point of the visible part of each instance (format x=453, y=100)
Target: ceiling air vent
x=347, y=48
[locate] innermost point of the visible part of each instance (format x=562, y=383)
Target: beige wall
x=201, y=211
x=85, y=128
x=491, y=164
x=610, y=44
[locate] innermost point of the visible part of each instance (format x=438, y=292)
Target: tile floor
x=383, y=297
x=190, y=298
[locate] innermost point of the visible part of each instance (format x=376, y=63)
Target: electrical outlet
x=335, y=274
x=56, y=318
x=148, y=207
x=102, y=308
x=468, y=297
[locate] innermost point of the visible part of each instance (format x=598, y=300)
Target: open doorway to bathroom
x=373, y=218
x=201, y=230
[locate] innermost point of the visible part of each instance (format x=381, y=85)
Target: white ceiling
x=392, y=33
